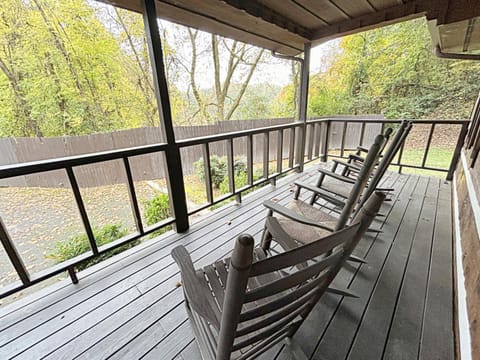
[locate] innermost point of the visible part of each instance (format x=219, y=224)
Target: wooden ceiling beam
x=459, y=10
x=369, y=21
x=256, y=9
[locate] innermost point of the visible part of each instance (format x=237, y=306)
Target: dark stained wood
x=438, y=320
x=129, y=306
x=337, y=337
x=377, y=317
x=404, y=336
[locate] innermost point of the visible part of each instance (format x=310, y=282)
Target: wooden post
x=302, y=110
x=13, y=255
x=458, y=148
x=326, y=136
x=240, y=264
x=175, y=182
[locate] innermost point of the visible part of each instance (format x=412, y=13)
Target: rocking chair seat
x=305, y=233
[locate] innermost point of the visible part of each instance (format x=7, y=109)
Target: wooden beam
x=369, y=21
x=256, y=9
x=175, y=183
x=459, y=10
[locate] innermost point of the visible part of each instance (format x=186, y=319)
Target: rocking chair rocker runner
x=242, y=306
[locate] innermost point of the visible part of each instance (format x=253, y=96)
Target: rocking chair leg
x=357, y=259
x=342, y=292
x=373, y=230
x=266, y=240
x=295, y=351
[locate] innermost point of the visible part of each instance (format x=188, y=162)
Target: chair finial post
x=239, y=269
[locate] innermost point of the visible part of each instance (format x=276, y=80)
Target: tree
x=240, y=63
x=59, y=61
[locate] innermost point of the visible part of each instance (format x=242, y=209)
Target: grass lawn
x=437, y=158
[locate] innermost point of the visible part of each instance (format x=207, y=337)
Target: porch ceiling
x=285, y=26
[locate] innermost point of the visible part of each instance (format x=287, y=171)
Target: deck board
x=130, y=306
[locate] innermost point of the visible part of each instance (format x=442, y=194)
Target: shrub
x=240, y=166
x=79, y=244
x=219, y=168
x=156, y=210
x=241, y=180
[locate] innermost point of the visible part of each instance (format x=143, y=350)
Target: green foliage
x=73, y=67
x=156, y=210
x=241, y=179
x=219, y=169
x=77, y=245
x=390, y=71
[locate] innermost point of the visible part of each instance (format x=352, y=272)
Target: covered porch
x=131, y=306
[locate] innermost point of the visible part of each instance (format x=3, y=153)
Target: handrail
x=317, y=146
x=391, y=121
x=456, y=153
x=32, y=167
x=234, y=134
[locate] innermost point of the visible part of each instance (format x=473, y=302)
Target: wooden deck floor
x=129, y=307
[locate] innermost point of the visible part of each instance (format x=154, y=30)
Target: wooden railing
x=317, y=135
x=399, y=162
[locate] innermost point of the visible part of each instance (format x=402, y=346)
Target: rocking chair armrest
x=321, y=193
x=337, y=176
x=356, y=157
x=282, y=210
x=347, y=165
x=198, y=296
x=362, y=149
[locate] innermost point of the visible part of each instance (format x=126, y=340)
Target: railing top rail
x=234, y=134
x=393, y=121
x=7, y=171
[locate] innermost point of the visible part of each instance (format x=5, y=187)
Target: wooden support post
x=291, y=147
x=266, y=148
x=73, y=275
x=317, y=140
x=302, y=110
x=279, y=150
x=344, y=134
x=175, y=182
x=206, y=171
x=230, y=166
x=250, y=159
x=362, y=133
x=13, y=255
x=458, y=149
x=427, y=148
x=82, y=210
x=326, y=136
x=133, y=196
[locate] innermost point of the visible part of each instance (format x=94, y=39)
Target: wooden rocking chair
x=335, y=187
x=242, y=306
x=306, y=223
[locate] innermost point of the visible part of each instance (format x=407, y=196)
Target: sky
x=275, y=72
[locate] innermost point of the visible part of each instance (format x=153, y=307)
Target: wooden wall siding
x=470, y=256
x=473, y=136
x=149, y=167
